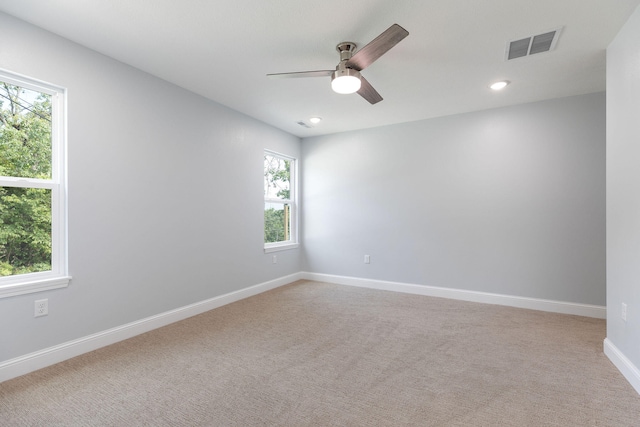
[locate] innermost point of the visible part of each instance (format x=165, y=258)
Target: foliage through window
x=279, y=200
x=32, y=204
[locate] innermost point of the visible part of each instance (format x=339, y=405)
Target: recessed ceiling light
x=499, y=85
x=315, y=120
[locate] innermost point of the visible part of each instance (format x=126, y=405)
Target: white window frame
x=292, y=243
x=58, y=276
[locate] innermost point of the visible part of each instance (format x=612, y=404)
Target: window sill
x=35, y=285
x=280, y=247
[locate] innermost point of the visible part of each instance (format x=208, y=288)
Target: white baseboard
x=624, y=365
x=599, y=312
x=40, y=359
x=49, y=356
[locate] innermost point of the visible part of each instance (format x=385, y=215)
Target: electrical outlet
x=367, y=259
x=274, y=259
x=41, y=308
x=623, y=312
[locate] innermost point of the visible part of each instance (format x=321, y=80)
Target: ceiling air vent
x=534, y=44
x=303, y=124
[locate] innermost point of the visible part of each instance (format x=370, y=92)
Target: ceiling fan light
x=499, y=85
x=345, y=81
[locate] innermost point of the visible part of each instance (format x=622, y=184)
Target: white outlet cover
x=41, y=307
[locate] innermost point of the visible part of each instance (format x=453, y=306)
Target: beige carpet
x=316, y=354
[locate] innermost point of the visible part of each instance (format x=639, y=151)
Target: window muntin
x=33, y=243
x=279, y=201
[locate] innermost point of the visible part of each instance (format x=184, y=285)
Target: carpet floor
x=317, y=354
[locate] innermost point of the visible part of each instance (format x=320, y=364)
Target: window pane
x=25, y=132
x=25, y=230
x=277, y=176
x=277, y=222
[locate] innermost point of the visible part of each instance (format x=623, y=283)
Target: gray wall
x=165, y=195
x=508, y=201
x=623, y=189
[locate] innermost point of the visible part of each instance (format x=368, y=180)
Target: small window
x=32, y=191
x=279, y=202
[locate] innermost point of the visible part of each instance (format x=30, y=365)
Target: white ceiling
x=222, y=49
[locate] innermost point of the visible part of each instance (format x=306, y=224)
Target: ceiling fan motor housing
x=342, y=70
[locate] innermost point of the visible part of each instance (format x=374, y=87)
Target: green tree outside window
x=25, y=152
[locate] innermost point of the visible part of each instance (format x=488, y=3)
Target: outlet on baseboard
x=41, y=308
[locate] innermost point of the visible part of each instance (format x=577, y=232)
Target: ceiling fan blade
x=377, y=47
x=368, y=92
x=318, y=73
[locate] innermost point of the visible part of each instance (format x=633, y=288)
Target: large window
x=279, y=202
x=32, y=186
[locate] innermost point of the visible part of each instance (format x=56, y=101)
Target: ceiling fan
x=346, y=78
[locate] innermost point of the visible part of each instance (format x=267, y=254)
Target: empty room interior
x=215, y=231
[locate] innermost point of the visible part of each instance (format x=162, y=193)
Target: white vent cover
x=303, y=124
x=533, y=44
